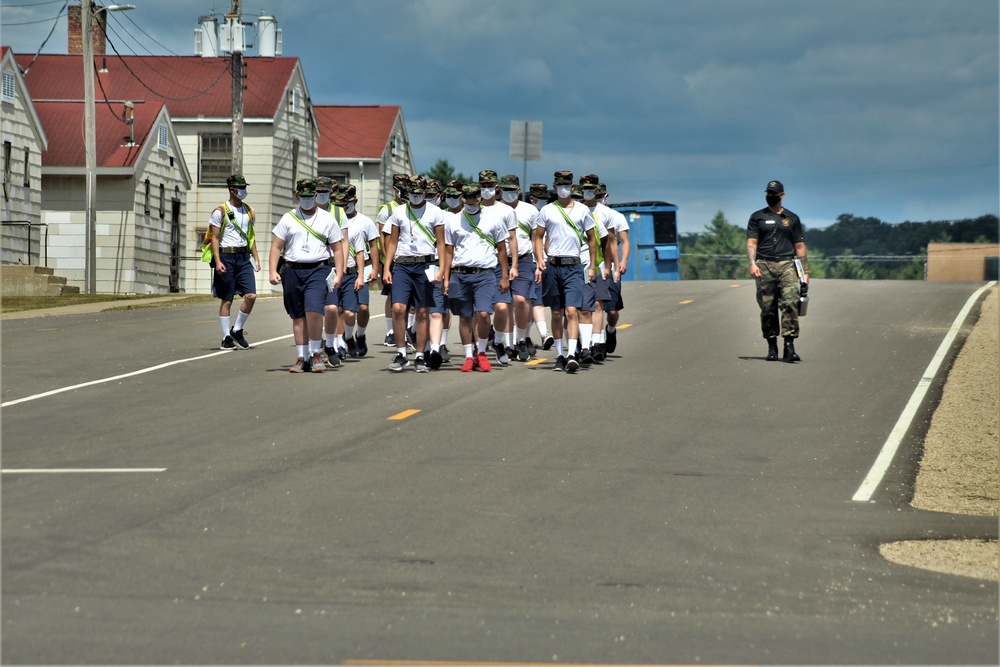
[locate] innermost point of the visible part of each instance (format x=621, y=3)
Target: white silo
x=268, y=37
x=206, y=38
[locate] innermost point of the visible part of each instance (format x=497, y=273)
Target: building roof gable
x=192, y=86
x=8, y=60
x=354, y=131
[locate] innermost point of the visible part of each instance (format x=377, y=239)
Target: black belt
x=303, y=265
x=241, y=250
x=768, y=258
x=564, y=261
x=330, y=262
x=526, y=255
x=419, y=259
x=470, y=269
x=351, y=271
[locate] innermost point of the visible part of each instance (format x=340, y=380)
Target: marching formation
x=477, y=251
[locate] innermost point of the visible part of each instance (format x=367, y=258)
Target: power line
x=55, y=24
x=59, y=16
x=32, y=4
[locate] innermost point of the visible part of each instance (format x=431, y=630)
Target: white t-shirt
x=414, y=241
x=300, y=245
x=602, y=216
x=471, y=249
x=231, y=238
x=500, y=213
x=620, y=221
x=526, y=214
x=562, y=240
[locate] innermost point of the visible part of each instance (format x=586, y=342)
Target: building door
x=175, y=245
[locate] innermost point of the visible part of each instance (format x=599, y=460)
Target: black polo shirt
x=776, y=233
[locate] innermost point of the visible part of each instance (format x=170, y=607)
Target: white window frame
x=163, y=137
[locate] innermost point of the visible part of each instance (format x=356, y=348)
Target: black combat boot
x=772, y=349
x=790, y=354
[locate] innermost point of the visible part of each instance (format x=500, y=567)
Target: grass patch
x=15, y=304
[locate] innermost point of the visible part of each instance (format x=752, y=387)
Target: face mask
x=416, y=198
x=605, y=200
x=472, y=209
x=488, y=193
x=539, y=203
x=562, y=191
x=589, y=194
x=241, y=194
x=323, y=198
x=452, y=202
x=350, y=207
x=307, y=203
x=509, y=196
x=772, y=200
x=436, y=200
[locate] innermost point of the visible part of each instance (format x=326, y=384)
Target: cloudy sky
x=884, y=108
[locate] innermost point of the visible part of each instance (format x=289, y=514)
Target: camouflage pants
x=778, y=293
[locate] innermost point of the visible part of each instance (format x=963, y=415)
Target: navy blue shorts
x=348, y=298
x=589, y=297
x=440, y=300
x=364, y=294
x=614, y=302
x=471, y=293
x=411, y=286
x=238, y=279
x=524, y=284
x=305, y=290
x=499, y=297
x=562, y=286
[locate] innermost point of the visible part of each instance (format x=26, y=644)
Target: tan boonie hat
x=563, y=178
x=487, y=176
x=471, y=191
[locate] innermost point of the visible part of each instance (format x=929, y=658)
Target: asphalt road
x=687, y=502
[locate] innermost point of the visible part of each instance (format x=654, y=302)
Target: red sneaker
x=469, y=365
x=482, y=363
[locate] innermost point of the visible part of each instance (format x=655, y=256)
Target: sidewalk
x=84, y=308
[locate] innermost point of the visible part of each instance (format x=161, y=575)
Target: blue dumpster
x=653, y=233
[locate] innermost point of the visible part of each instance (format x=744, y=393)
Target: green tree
x=717, y=253
x=443, y=171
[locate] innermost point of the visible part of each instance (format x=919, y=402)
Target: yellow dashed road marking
x=403, y=415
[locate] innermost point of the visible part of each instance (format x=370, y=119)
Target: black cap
x=774, y=186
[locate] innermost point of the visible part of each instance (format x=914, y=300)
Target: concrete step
x=23, y=280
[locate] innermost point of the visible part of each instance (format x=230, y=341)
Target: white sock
x=388, y=324
x=241, y=319
x=224, y=322
x=518, y=334
x=572, y=346
x=506, y=338
x=543, y=328
x=468, y=350
x=402, y=351
x=481, y=345
x=409, y=321
x=315, y=346
x=497, y=336
x=348, y=331
x=329, y=340
x=559, y=348
x=303, y=351
x=444, y=337
x=435, y=348
x=360, y=331
x=338, y=342
x=586, y=332
x=595, y=339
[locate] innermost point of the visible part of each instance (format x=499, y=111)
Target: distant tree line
x=852, y=247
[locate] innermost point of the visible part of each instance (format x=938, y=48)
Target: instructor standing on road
x=774, y=240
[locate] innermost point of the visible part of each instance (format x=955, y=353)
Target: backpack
x=229, y=216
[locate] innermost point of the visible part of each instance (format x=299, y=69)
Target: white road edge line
x=132, y=374
x=66, y=471
x=881, y=465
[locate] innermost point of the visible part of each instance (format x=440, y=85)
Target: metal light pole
x=87, y=16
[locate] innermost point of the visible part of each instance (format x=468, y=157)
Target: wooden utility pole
x=90, y=147
x=234, y=21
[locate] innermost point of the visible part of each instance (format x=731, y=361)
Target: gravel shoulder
x=959, y=470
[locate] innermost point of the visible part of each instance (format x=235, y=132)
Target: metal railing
x=25, y=242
